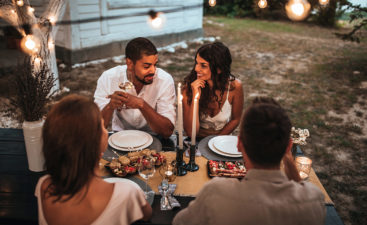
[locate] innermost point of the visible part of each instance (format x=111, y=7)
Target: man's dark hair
x=138, y=47
x=265, y=132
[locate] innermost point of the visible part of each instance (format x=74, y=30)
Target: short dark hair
x=71, y=145
x=265, y=132
x=138, y=47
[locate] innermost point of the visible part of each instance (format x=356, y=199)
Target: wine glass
x=125, y=86
x=146, y=169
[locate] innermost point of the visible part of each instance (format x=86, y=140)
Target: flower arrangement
x=299, y=136
x=32, y=85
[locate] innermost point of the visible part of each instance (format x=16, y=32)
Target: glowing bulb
x=212, y=3
x=20, y=3
x=30, y=44
x=323, y=2
x=51, y=44
x=12, y=11
x=262, y=4
x=156, y=20
x=297, y=9
x=30, y=9
x=52, y=20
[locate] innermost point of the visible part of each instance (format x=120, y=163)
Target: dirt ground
x=319, y=79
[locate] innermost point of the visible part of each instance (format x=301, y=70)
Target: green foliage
x=32, y=89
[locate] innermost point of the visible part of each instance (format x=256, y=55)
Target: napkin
x=171, y=200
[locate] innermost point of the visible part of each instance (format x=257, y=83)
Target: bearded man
x=138, y=95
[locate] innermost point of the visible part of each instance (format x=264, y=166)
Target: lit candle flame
x=212, y=3
x=262, y=4
x=20, y=3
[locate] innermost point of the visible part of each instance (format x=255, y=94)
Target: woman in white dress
x=219, y=93
x=74, y=139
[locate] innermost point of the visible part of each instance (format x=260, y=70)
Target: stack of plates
x=130, y=140
x=225, y=145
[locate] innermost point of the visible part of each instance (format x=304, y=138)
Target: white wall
x=96, y=33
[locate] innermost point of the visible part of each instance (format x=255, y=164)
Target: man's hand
x=131, y=101
x=116, y=100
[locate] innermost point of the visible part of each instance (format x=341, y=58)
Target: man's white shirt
x=160, y=95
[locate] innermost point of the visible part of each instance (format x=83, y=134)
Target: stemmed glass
x=146, y=169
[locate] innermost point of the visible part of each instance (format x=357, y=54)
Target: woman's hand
x=196, y=87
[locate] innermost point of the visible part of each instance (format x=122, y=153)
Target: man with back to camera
x=265, y=195
x=148, y=104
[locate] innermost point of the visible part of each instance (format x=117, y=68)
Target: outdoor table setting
x=17, y=183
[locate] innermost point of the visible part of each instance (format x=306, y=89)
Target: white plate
x=212, y=147
x=150, y=141
x=130, y=138
x=226, y=144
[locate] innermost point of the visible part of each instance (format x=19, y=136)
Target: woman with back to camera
x=74, y=139
x=219, y=93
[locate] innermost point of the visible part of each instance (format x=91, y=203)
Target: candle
x=194, y=114
x=180, y=117
x=303, y=165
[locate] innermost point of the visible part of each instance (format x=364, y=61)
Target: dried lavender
x=32, y=89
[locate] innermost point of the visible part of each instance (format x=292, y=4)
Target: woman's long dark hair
x=219, y=58
x=71, y=145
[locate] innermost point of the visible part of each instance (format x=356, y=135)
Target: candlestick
x=191, y=165
x=180, y=117
x=194, y=114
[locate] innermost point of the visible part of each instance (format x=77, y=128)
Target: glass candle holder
x=303, y=165
x=168, y=171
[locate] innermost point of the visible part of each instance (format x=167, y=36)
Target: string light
x=20, y=3
x=156, y=20
x=30, y=9
x=52, y=20
x=12, y=11
x=51, y=44
x=297, y=9
x=262, y=4
x=30, y=44
x=212, y=3
x=323, y=2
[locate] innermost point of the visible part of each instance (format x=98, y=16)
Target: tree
x=357, y=15
x=19, y=14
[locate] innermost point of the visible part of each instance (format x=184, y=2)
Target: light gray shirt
x=262, y=197
x=160, y=95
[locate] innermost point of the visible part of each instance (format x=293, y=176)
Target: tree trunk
x=42, y=28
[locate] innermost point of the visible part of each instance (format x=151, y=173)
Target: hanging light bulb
x=212, y=3
x=30, y=44
x=262, y=4
x=51, y=44
x=297, y=9
x=20, y=3
x=12, y=11
x=52, y=20
x=323, y=2
x=30, y=9
x=156, y=20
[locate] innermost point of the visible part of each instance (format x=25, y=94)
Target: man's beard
x=143, y=81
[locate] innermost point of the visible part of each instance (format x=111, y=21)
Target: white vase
x=32, y=132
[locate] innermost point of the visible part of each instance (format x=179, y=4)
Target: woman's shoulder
x=236, y=84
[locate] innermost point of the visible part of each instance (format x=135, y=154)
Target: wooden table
x=18, y=205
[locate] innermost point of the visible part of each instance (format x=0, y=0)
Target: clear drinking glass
x=303, y=165
x=146, y=169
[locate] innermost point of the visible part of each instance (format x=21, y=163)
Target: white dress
x=220, y=120
x=124, y=207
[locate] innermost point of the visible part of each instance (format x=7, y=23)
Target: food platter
x=214, y=149
x=130, y=140
x=232, y=169
x=128, y=164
